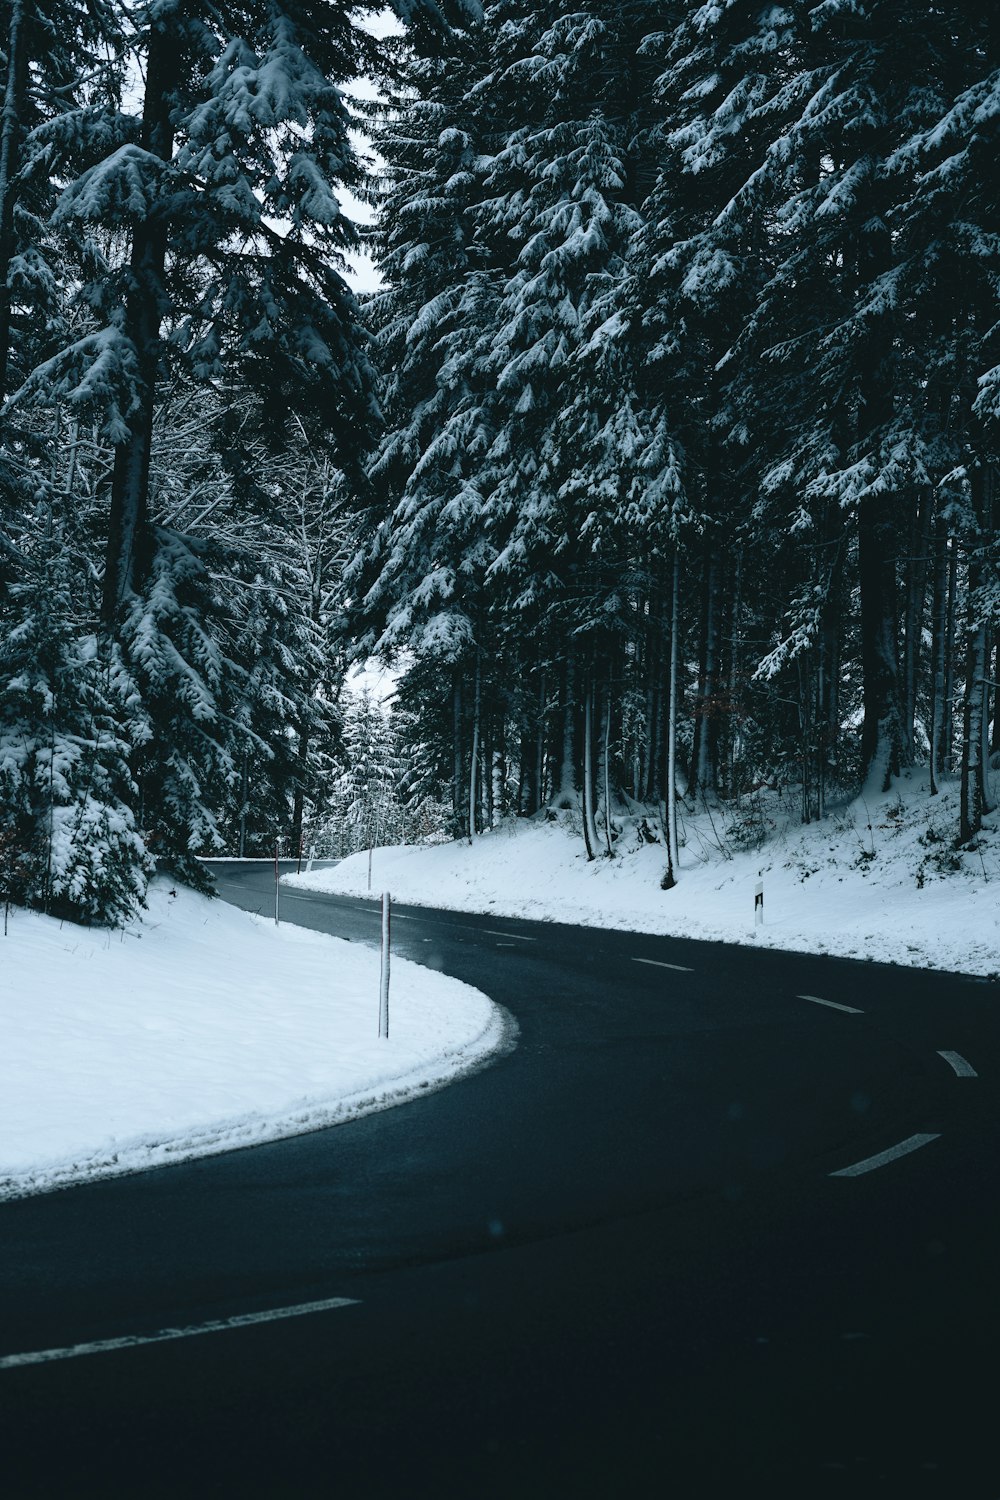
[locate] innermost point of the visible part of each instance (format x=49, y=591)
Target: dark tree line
x=663, y=464
x=689, y=344
x=186, y=395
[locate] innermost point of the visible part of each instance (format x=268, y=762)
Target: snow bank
x=897, y=892
x=202, y=1029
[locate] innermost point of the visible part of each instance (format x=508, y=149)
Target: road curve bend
x=721, y=1216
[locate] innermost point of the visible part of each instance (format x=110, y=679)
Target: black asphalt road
x=613, y=1263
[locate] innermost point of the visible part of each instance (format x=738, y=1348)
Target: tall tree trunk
x=995, y=740
x=11, y=139
x=244, y=795
x=589, y=820
x=706, y=723
x=540, y=746
x=732, y=716
x=567, y=768
x=974, y=802
x=881, y=732
x=606, y=769
x=939, y=655
x=913, y=625
x=474, y=761
x=828, y=654
x=975, y=787
x=951, y=654
x=458, y=808
x=670, y=874
x=299, y=793
x=130, y=479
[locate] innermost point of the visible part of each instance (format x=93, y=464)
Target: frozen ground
x=202, y=1029
x=895, y=891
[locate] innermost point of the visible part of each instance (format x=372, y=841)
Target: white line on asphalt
x=912, y=1143
x=833, y=1004
x=658, y=962
x=133, y=1341
x=957, y=1061
x=515, y=935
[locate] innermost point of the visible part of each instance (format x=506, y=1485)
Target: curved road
x=721, y=1217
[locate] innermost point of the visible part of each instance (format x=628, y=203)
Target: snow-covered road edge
x=881, y=882
x=204, y=1029
x=498, y=1037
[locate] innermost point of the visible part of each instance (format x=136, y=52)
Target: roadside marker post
x=312, y=856
x=383, y=989
x=277, y=843
x=758, y=904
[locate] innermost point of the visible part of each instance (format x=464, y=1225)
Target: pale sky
x=363, y=276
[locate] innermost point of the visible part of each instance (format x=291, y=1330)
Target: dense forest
x=662, y=465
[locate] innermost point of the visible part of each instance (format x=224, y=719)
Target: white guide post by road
x=758, y=904
x=383, y=990
x=277, y=844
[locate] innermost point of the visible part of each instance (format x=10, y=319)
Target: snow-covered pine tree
x=67, y=833
x=221, y=205
x=948, y=232
x=419, y=580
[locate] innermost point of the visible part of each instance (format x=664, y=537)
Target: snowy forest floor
x=201, y=1029
x=876, y=879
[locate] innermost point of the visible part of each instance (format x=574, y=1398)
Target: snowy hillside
x=895, y=891
x=201, y=1029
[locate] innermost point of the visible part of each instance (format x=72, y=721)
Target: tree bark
x=567, y=780
x=124, y=559
x=589, y=820
x=916, y=588
x=474, y=764
x=11, y=140
x=881, y=733
x=705, y=725
x=459, y=814
x=975, y=782
x=670, y=874
x=939, y=653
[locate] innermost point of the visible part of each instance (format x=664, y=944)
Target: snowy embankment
x=202, y=1029
x=896, y=891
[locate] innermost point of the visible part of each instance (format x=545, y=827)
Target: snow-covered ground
x=202, y=1029
x=895, y=891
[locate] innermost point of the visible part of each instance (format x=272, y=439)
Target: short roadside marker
x=852, y=1010
x=912, y=1143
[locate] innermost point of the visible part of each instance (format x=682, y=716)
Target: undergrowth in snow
x=201, y=1029
x=878, y=879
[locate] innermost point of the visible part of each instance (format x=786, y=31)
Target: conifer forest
x=661, y=465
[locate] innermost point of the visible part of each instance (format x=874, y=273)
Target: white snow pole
x=276, y=846
x=383, y=992
x=312, y=856
x=758, y=904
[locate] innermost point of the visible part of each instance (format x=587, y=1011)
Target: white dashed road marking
x=957, y=1061
x=912, y=1143
x=134, y=1341
x=852, y=1010
x=515, y=935
x=658, y=962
